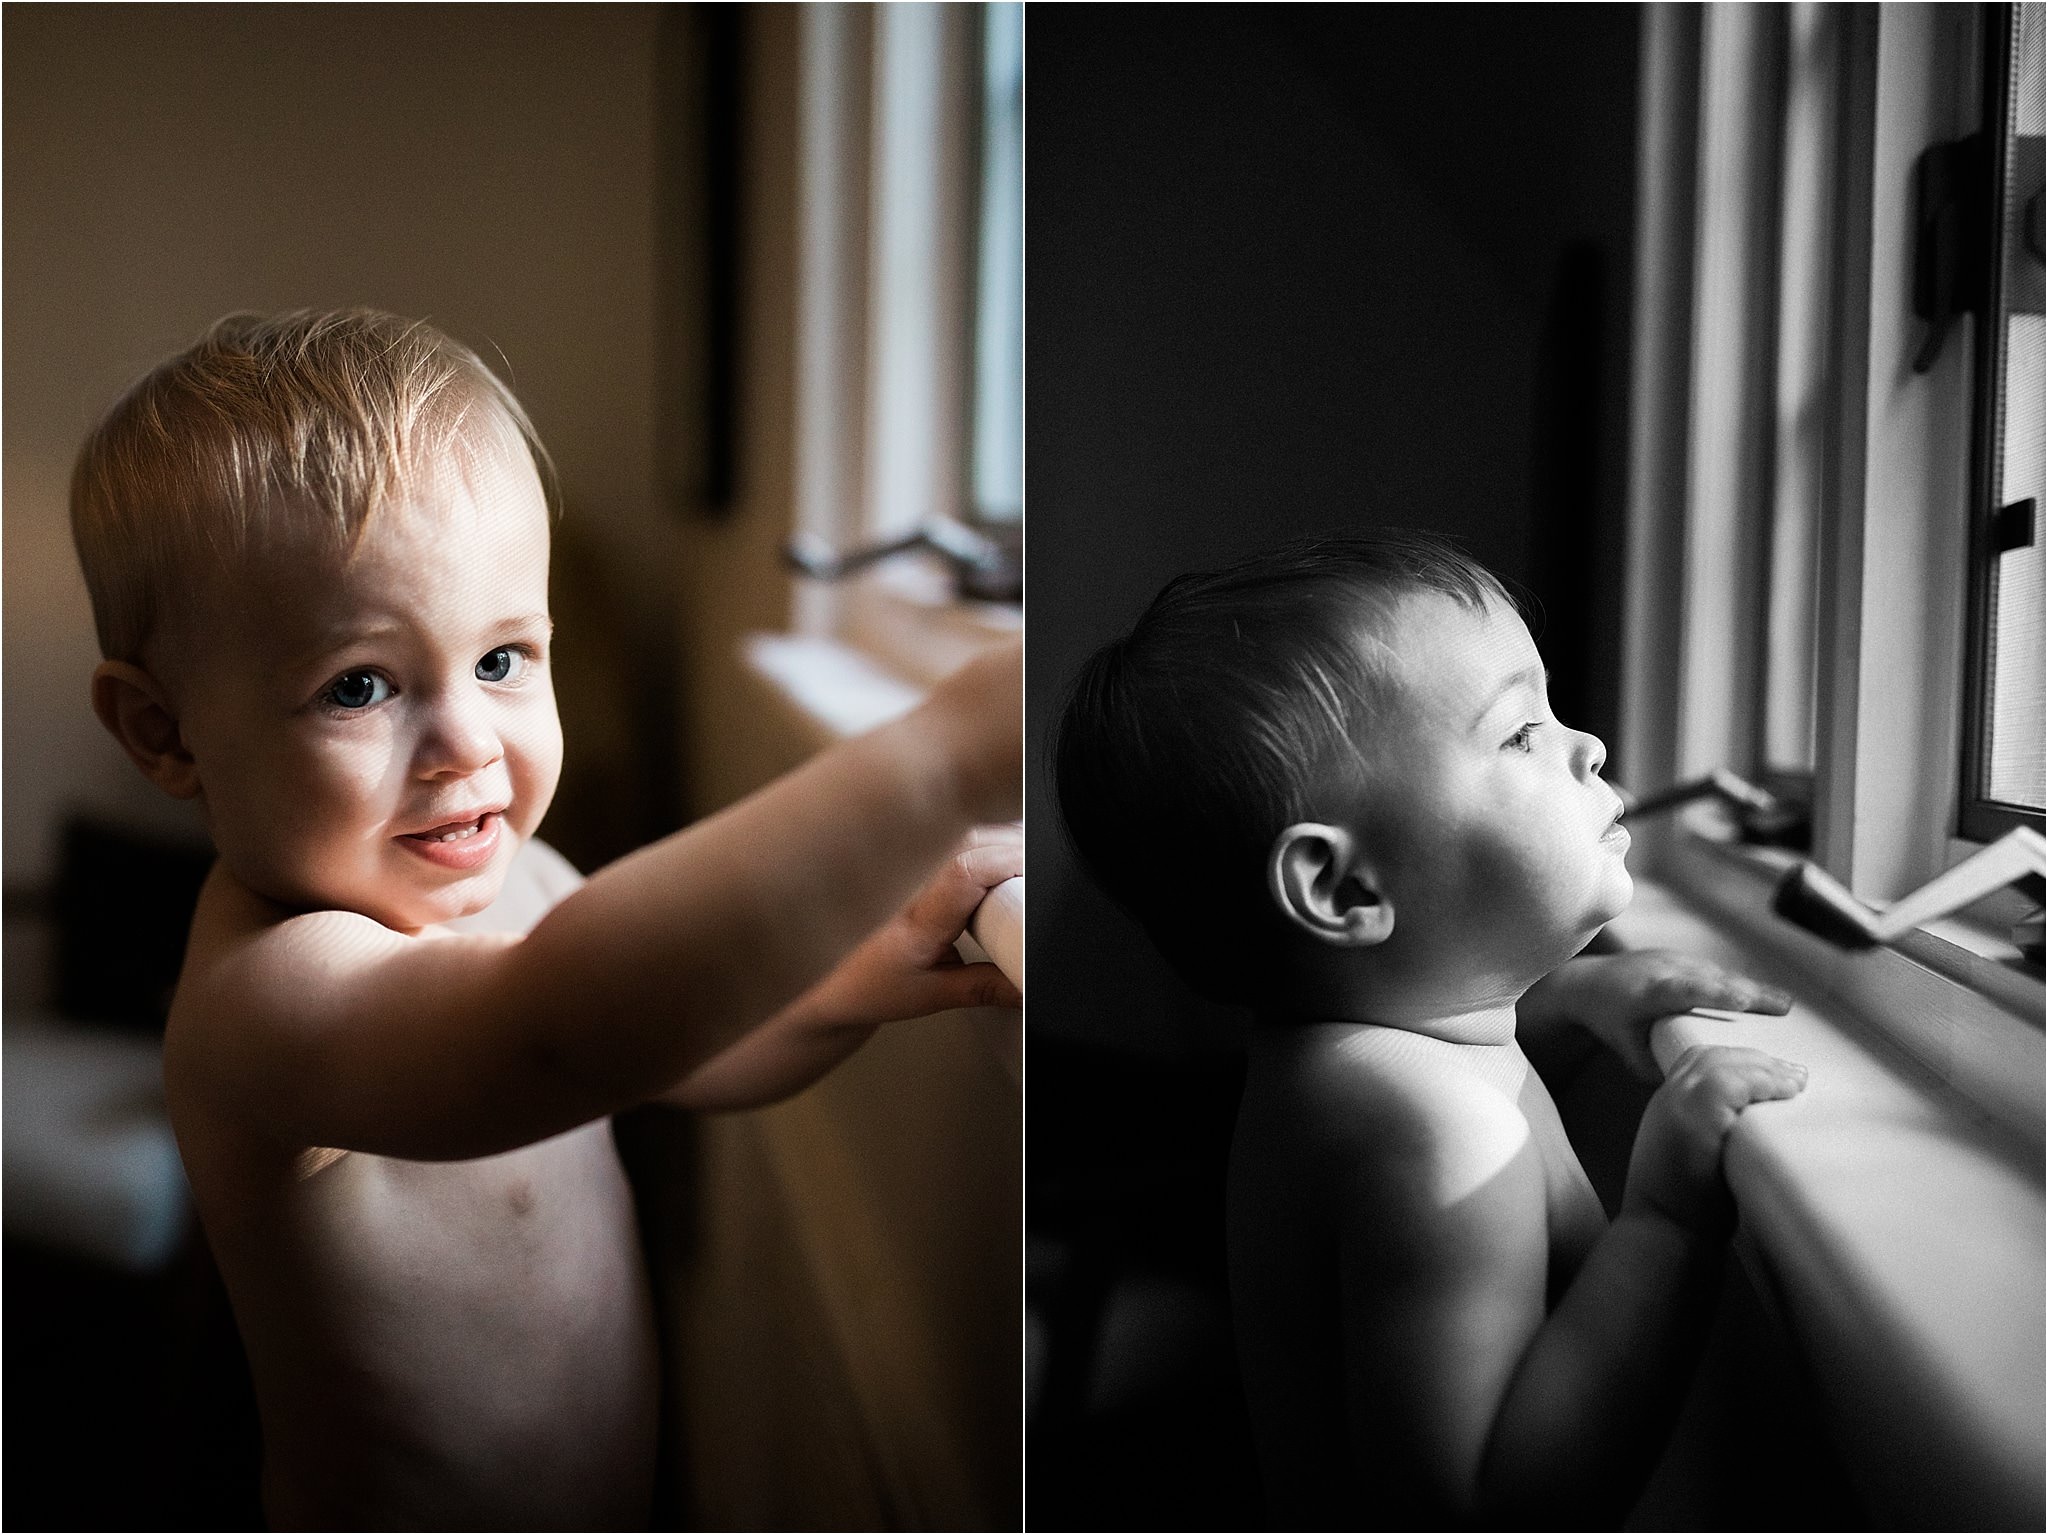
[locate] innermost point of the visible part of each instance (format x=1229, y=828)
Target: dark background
x=1288, y=271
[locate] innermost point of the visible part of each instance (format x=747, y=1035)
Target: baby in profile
x=1328, y=783
x=317, y=548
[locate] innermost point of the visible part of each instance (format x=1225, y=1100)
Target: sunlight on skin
x=355, y=701
x=1484, y=826
x=1479, y=1080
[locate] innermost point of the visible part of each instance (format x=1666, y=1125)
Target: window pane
x=1802, y=385
x=2017, y=682
x=999, y=301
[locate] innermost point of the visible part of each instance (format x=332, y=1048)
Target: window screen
x=2011, y=717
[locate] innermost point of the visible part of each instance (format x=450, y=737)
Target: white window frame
x=1895, y=477
x=888, y=214
x=888, y=211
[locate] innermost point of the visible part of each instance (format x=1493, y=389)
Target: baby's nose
x=459, y=740
x=1593, y=752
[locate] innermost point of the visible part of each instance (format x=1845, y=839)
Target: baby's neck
x=1494, y=1025
x=1475, y=1013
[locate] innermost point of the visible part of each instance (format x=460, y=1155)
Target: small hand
x=1675, y=1169
x=907, y=968
x=1616, y=997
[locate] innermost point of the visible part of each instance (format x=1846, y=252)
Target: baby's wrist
x=1704, y=1216
x=824, y=1011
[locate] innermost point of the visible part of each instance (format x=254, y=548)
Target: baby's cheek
x=536, y=774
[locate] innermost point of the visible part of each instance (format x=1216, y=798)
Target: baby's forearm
x=778, y=1060
x=663, y=959
x=1593, y=1401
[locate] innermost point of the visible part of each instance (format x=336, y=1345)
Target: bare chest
x=1574, y=1216
x=457, y=1340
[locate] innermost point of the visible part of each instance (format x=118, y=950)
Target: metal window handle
x=1821, y=904
x=985, y=566
x=1764, y=817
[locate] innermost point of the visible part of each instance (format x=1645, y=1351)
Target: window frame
x=1897, y=461
x=1979, y=817
x=889, y=213
x=1896, y=476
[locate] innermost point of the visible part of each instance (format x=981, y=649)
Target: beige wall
x=491, y=167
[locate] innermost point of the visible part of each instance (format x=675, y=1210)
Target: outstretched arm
x=329, y=1030
x=907, y=968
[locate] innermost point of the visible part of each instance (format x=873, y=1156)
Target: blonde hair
x=289, y=425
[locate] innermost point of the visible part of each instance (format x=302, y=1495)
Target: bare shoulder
x=244, y=951
x=1391, y=1115
x=251, y=966
x=274, y=1006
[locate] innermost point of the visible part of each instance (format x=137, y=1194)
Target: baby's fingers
x=991, y=855
x=1747, y=996
x=1732, y=1077
x=940, y=912
x=1010, y=833
x=1721, y=989
x=1771, y=1078
x=976, y=985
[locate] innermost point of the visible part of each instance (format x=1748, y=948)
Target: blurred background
x=754, y=274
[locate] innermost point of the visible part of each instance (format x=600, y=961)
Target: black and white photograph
x=1646, y=399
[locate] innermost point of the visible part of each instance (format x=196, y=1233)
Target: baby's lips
x=456, y=823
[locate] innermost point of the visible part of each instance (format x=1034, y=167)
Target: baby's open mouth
x=453, y=832
x=467, y=844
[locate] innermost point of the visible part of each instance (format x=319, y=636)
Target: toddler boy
x=317, y=547
x=1328, y=783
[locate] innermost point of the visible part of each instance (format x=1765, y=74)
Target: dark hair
x=1185, y=747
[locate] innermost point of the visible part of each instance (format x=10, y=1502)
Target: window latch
x=986, y=563
x=1955, y=241
x=1950, y=220
x=2012, y=527
x=1823, y=905
x=1761, y=817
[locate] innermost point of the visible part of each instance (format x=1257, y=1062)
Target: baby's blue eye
x=358, y=690
x=500, y=665
x=1521, y=740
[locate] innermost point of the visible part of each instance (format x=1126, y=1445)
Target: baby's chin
x=1620, y=901
x=413, y=910
x=1612, y=900
x=404, y=911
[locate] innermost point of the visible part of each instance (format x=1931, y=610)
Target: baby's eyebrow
x=1529, y=676
x=339, y=637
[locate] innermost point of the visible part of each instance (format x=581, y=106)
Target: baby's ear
x=133, y=707
x=1324, y=885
